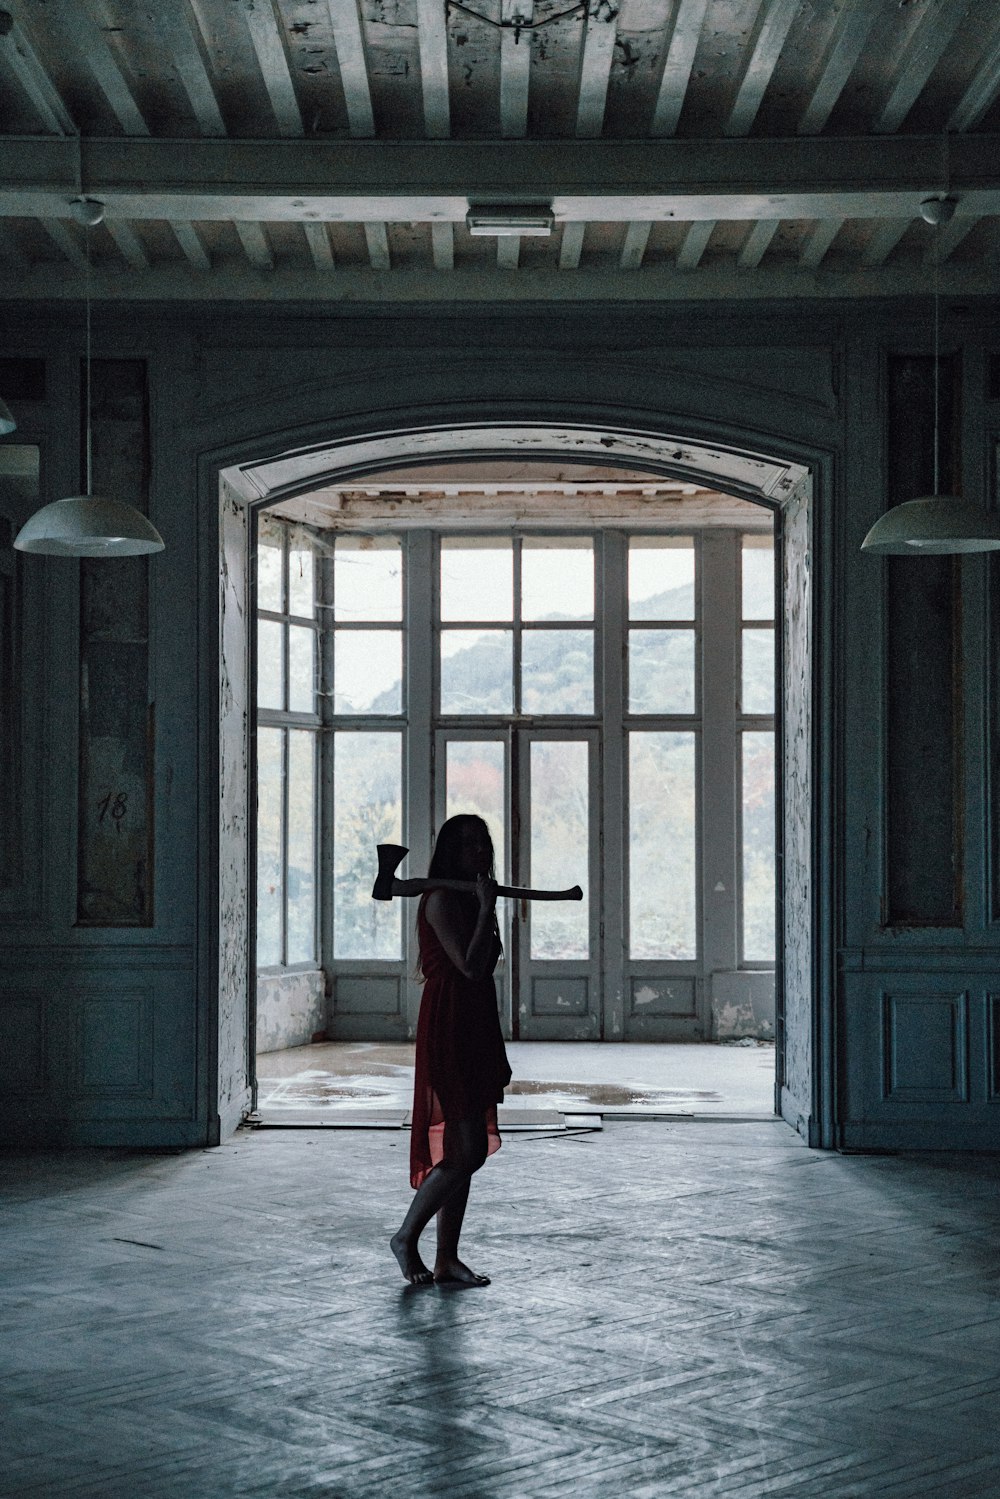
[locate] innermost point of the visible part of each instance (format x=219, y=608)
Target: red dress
x=461, y=1063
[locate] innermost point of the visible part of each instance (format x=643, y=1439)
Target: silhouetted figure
x=461, y=1063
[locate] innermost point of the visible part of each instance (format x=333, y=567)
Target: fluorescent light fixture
x=502, y=219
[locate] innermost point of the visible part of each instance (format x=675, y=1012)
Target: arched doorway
x=785, y=485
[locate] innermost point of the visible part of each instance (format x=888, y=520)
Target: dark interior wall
x=119, y=1023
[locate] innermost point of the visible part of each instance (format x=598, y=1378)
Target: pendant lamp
x=89, y=525
x=939, y=523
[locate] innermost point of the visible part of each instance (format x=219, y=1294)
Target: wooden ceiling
x=298, y=149
x=486, y=494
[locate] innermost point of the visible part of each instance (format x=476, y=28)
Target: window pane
x=758, y=847
x=368, y=671
x=301, y=939
x=269, y=891
x=477, y=578
x=661, y=671
x=476, y=671
x=559, y=844
x=301, y=669
x=301, y=577
x=662, y=858
x=270, y=667
x=367, y=811
x=557, y=671
x=758, y=671
x=661, y=577
x=474, y=782
x=758, y=577
x=367, y=578
x=557, y=578
x=269, y=538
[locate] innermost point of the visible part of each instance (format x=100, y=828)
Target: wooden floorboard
x=686, y=1311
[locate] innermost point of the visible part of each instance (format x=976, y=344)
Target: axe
x=391, y=855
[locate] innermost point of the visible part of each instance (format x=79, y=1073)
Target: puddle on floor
x=608, y=1093
x=311, y=1089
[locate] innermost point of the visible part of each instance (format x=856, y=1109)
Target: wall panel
x=923, y=768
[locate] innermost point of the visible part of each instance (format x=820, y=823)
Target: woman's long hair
x=444, y=863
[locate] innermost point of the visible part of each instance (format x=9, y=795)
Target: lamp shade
x=88, y=526
x=933, y=524
x=7, y=422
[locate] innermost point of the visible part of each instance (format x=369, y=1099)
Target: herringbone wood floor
x=693, y=1309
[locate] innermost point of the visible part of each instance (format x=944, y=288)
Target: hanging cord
x=937, y=356
x=89, y=440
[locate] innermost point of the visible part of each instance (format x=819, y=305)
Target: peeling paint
x=234, y=856
x=797, y=812
x=291, y=1008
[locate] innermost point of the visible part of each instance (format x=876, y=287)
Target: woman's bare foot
x=409, y=1261
x=453, y=1272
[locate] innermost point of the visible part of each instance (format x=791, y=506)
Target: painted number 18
x=114, y=805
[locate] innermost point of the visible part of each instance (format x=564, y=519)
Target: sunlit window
x=756, y=703
x=287, y=744
x=505, y=607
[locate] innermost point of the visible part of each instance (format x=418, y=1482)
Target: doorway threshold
x=509, y=1119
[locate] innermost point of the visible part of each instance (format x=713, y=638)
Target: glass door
x=557, y=943
x=472, y=774
x=536, y=790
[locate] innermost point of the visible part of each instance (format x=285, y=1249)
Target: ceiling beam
x=508, y=252
x=761, y=63
x=81, y=32
x=884, y=240
x=840, y=57
x=677, y=66
x=807, y=177
x=634, y=246
x=818, y=242
x=319, y=246
x=178, y=29
x=920, y=57
x=432, y=35
x=695, y=242
x=377, y=240
x=11, y=252
x=443, y=247
x=595, y=66
x=255, y=246
x=62, y=238
x=350, y=44
x=756, y=244
x=45, y=98
x=571, y=246
x=981, y=93
x=946, y=240
x=194, y=251
x=265, y=34
x=128, y=243
x=515, y=69
x=717, y=281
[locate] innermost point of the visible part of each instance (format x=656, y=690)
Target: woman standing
x=461, y=1064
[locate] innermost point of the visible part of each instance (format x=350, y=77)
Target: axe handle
x=418, y=886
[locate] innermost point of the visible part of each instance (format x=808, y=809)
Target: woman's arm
x=475, y=956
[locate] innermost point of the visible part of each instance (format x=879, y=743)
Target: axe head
x=390, y=856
